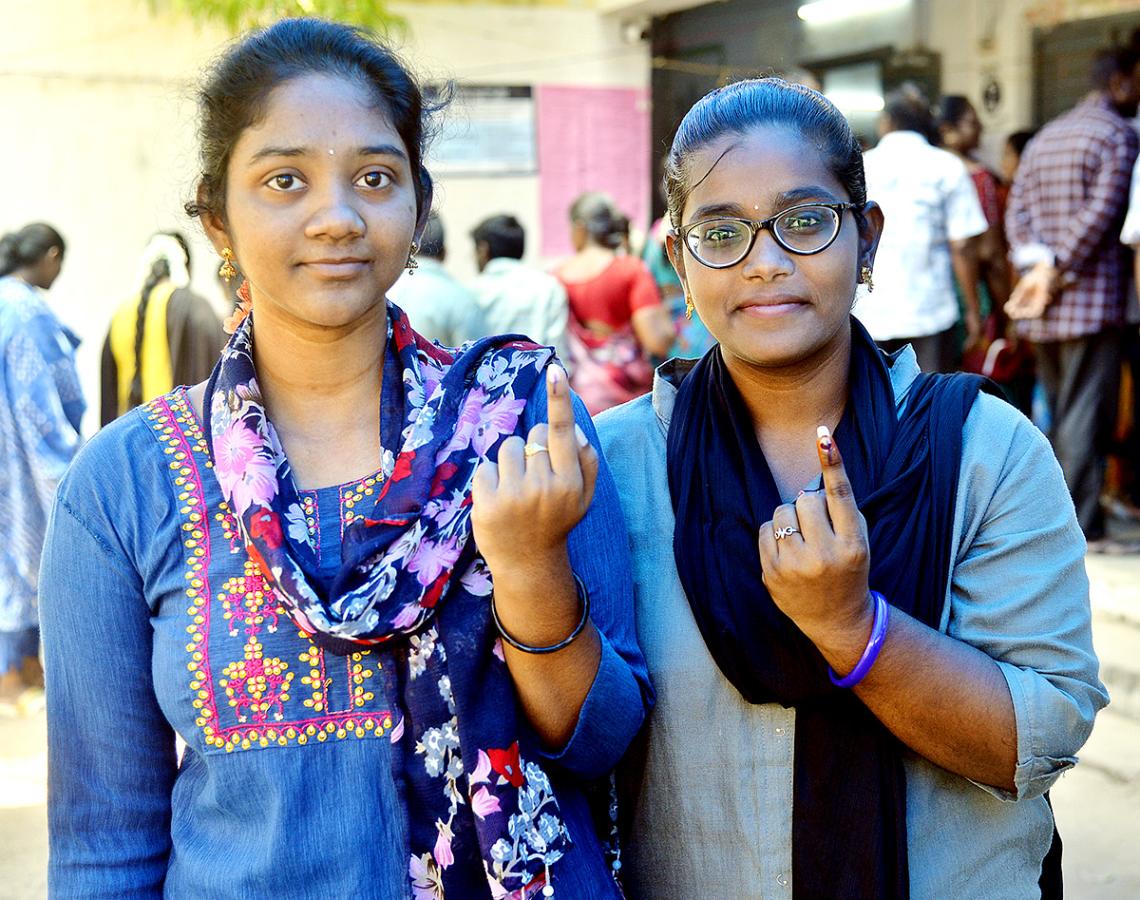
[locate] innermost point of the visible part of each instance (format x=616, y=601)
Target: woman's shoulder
x=628, y=430
x=994, y=423
x=128, y=459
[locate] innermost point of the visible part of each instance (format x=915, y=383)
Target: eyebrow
x=290, y=152
x=781, y=201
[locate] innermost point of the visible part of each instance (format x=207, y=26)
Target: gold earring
x=689, y=306
x=412, y=264
x=865, y=277
x=227, y=270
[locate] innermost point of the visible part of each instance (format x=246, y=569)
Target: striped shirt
x=1070, y=196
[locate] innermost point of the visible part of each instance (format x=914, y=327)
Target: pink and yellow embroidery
x=255, y=687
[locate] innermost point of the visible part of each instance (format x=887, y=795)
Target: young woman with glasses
x=860, y=589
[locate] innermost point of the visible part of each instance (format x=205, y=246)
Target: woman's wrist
x=536, y=598
x=842, y=640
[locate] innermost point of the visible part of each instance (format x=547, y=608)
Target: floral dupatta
x=483, y=821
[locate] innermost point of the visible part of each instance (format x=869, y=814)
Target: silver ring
x=782, y=533
x=530, y=450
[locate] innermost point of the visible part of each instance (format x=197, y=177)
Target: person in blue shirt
x=41, y=406
x=353, y=617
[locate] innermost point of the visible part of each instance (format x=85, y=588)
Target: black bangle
x=583, y=597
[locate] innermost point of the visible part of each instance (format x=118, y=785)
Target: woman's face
x=47, y=270
x=774, y=308
x=320, y=203
x=966, y=133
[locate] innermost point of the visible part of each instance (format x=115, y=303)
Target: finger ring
x=782, y=533
x=534, y=449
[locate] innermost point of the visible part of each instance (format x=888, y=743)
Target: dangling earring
x=689, y=307
x=865, y=277
x=412, y=264
x=227, y=270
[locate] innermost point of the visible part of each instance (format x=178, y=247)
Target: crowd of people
x=366, y=604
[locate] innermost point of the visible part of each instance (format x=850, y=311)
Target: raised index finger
x=841, y=505
x=560, y=440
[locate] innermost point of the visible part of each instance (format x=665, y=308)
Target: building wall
x=979, y=42
x=98, y=101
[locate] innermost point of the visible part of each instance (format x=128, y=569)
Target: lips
x=337, y=266
x=772, y=306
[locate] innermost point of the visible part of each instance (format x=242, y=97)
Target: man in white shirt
x=437, y=304
x=931, y=213
x=513, y=298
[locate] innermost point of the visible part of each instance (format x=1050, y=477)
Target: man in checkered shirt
x=1064, y=215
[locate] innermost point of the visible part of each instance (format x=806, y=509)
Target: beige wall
x=98, y=105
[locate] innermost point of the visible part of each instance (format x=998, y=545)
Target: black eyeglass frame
x=756, y=226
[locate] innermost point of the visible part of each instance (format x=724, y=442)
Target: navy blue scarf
x=849, y=821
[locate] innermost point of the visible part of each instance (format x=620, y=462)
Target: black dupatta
x=849, y=821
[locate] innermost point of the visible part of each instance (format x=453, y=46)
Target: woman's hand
x=816, y=559
x=524, y=506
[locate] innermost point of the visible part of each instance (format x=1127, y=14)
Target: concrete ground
x=1097, y=804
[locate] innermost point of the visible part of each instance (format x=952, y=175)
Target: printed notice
x=591, y=139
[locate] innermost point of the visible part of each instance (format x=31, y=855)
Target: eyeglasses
x=804, y=230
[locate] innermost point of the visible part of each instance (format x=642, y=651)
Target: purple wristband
x=871, y=652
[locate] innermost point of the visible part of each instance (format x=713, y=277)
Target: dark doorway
x=1063, y=56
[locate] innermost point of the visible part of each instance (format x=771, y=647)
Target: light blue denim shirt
x=712, y=782
x=156, y=625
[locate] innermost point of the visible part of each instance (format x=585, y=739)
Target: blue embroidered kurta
x=156, y=623
x=40, y=410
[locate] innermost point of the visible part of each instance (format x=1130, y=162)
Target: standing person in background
x=693, y=338
x=438, y=305
x=1064, y=217
x=41, y=406
x=961, y=131
x=932, y=214
x=617, y=320
x=165, y=336
x=1126, y=504
x=512, y=297
x=1011, y=154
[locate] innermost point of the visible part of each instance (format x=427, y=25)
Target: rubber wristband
x=583, y=598
x=871, y=651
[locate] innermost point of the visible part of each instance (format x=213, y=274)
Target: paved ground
x=1097, y=804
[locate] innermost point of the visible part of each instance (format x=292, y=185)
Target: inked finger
x=841, y=507
x=561, y=440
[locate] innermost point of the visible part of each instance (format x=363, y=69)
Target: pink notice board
x=590, y=139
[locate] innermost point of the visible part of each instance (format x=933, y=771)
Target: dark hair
x=907, y=109
x=503, y=235
x=431, y=241
x=952, y=108
x=28, y=246
x=1019, y=139
x=1113, y=61
x=159, y=271
x=737, y=108
x=597, y=213
x=234, y=94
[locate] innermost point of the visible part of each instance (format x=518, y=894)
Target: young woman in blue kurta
x=290, y=568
